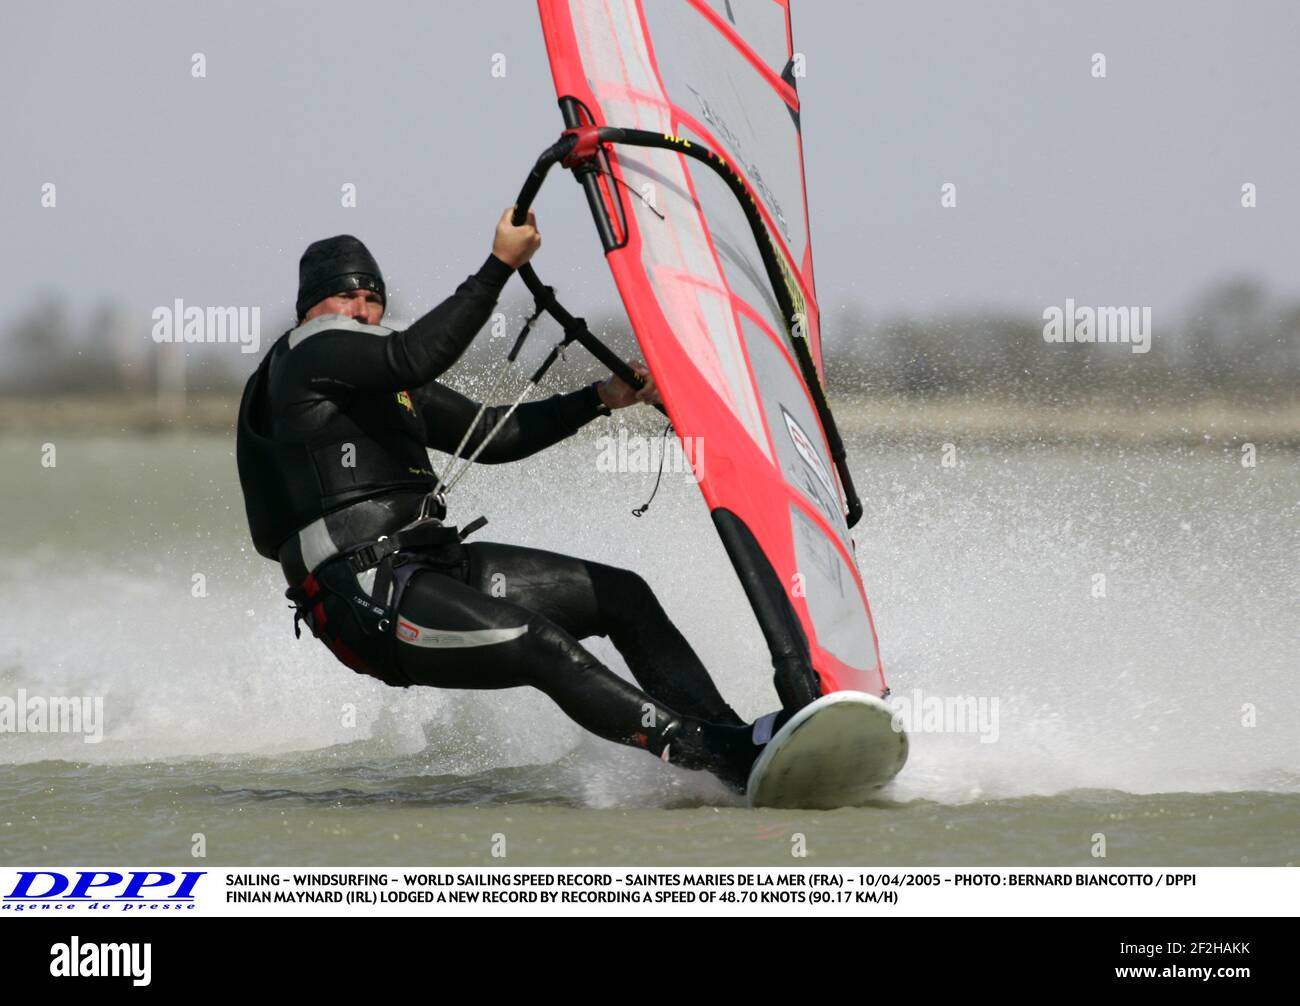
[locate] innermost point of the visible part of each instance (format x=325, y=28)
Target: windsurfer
x=332, y=439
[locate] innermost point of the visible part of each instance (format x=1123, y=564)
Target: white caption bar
x=360, y=891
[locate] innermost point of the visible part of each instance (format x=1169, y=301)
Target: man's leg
x=592, y=599
x=450, y=635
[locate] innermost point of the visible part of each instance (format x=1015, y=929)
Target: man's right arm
x=369, y=362
x=363, y=361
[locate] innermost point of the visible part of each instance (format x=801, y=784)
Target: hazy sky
x=1117, y=191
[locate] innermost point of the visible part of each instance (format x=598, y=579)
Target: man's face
x=365, y=306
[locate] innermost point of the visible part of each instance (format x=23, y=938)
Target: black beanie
x=334, y=265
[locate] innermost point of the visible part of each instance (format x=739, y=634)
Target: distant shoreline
x=1209, y=422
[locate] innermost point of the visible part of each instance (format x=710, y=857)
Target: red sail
x=690, y=273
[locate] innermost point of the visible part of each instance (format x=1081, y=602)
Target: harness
x=425, y=543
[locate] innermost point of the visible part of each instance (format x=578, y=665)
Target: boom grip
x=575, y=328
x=533, y=183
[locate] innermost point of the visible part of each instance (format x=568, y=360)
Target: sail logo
x=178, y=323
x=728, y=135
x=1121, y=325
x=404, y=400
x=804, y=445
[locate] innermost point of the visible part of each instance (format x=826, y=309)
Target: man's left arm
x=447, y=414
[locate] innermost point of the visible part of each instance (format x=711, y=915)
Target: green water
x=1162, y=716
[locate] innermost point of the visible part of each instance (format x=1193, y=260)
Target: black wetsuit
x=477, y=615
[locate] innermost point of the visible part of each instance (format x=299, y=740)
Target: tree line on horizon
x=1236, y=339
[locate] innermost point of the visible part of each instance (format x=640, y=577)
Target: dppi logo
x=141, y=890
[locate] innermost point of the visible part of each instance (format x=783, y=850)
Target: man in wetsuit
x=333, y=431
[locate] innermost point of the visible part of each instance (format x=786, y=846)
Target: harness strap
x=425, y=536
